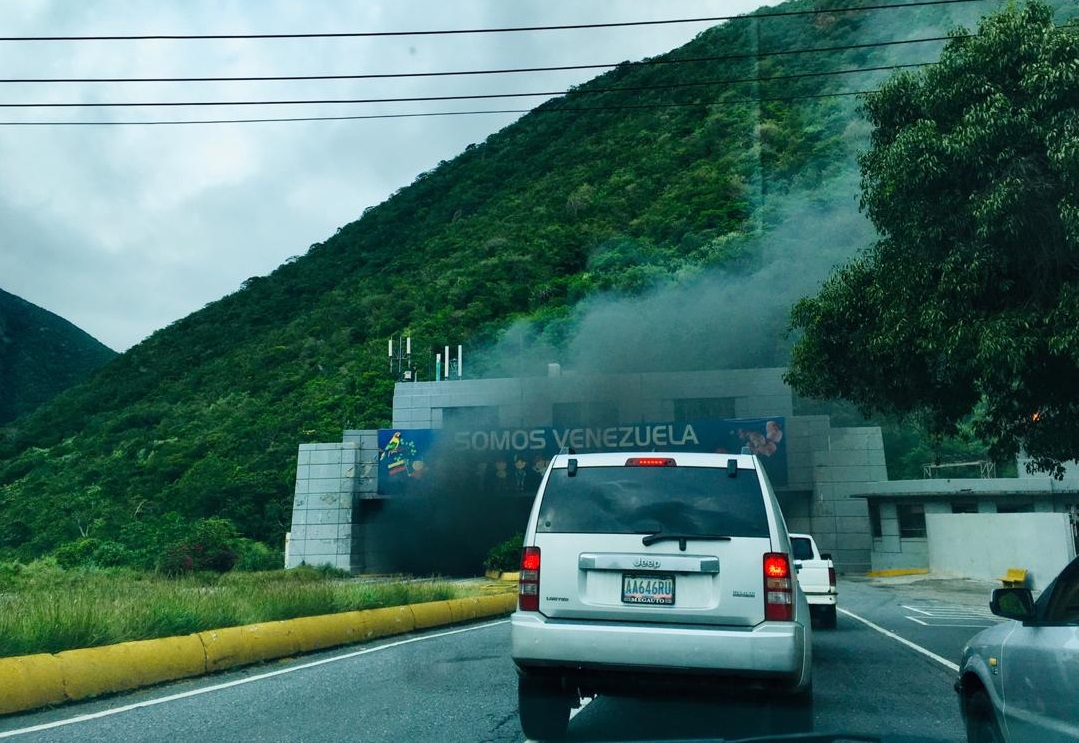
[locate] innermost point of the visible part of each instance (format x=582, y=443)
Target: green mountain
x=40, y=355
x=696, y=169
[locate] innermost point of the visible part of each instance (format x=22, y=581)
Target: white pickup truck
x=816, y=577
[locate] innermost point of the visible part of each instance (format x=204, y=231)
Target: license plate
x=648, y=588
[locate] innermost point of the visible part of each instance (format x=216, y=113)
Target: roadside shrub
x=76, y=554
x=112, y=555
x=506, y=556
x=91, y=552
x=209, y=547
x=253, y=556
x=9, y=574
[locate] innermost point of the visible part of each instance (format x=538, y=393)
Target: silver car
x=645, y=571
x=1019, y=681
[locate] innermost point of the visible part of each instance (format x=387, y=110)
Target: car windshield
x=649, y=500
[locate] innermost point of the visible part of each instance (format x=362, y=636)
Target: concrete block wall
x=840, y=522
x=322, y=505
x=638, y=397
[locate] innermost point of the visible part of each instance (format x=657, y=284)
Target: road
x=457, y=684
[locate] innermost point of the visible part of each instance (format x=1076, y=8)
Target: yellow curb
x=431, y=614
x=330, y=630
x=506, y=576
x=32, y=681
x=393, y=620
x=896, y=572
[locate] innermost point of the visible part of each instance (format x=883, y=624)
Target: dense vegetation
x=595, y=192
x=40, y=355
x=970, y=299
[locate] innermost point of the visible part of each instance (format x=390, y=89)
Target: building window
x=596, y=413
x=911, y=521
x=477, y=416
x=874, y=519
x=703, y=408
x=1015, y=507
x=964, y=507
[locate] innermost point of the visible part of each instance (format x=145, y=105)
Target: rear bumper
x=822, y=599
x=776, y=652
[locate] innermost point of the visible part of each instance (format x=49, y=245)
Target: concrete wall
x=329, y=479
x=848, y=458
x=984, y=546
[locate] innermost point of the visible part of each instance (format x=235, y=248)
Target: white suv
x=645, y=570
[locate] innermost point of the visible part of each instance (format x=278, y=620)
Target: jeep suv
x=656, y=570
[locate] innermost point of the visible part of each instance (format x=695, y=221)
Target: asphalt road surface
x=891, y=679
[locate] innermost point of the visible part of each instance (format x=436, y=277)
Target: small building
x=349, y=513
x=457, y=471
x=977, y=527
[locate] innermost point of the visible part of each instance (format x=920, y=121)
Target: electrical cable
x=512, y=29
x=468, y=97
x=426, y=114
x=452, y=73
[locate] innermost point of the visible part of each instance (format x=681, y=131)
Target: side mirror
x=1012, y=603
x=826, y=555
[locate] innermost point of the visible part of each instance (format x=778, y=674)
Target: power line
x=511, y=29
x=428, y=114
x=452, y=73
x=468, y=97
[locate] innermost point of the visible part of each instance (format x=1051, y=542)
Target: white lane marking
x=915, y=608
x=945, y=624
x=239, y=682
x=927, y=653
x=572, y=713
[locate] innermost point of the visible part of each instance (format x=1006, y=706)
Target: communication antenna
x=447, y=366
x=401, y=358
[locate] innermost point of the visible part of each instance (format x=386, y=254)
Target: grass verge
x=45, y=609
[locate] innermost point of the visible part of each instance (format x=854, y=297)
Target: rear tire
x=981, y=722
x=828, y=617
x=544, y=708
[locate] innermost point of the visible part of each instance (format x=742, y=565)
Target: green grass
x=45, y=609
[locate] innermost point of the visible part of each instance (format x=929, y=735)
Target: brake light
x=528, y=584
x=778, y=588
x=650, y=462
x=831, y=577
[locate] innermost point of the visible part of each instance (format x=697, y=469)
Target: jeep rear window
x=645, y=500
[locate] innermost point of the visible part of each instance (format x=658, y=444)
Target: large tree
x=967, y=307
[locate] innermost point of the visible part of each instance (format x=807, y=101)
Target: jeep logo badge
x=644, y=562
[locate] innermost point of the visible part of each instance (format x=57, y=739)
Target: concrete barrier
x=32, y=681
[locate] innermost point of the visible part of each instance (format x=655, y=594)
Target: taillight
x=528, y=585
x=651, y=462
x=831, y=577
x=778, y=588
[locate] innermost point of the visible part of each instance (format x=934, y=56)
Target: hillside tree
x=966, y=309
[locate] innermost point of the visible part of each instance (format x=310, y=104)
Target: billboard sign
x=513, y=460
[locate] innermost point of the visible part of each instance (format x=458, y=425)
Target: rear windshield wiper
x=663, y=536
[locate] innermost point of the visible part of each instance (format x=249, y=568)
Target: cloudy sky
x=123, y=229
